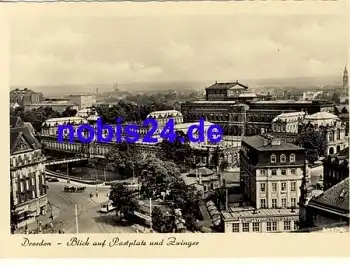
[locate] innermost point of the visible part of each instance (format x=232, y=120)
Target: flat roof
x=241, y=213
x=214, y=102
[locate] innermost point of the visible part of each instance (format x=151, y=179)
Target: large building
x=27, y=173
x=24, y=96
x=240, y=113
x=271, y=174
x=83, y=100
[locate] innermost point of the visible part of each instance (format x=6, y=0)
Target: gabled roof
x=21, y=139
x=230, y=85
x=15, y=122
x=335, y=199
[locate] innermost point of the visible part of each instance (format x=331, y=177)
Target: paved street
x=90, y=220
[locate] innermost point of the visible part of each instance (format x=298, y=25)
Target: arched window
x=273, y=158
x=283, y=158
x=338, y=134
x=292, y=158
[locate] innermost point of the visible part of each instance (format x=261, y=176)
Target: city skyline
x=102, y=50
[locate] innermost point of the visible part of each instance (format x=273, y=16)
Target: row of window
x=283, y=158
x=293, y=171
x=274, y=186
x=283, y=203
x=256, y=227
x=25, y=158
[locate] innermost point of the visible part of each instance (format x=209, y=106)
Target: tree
x=69, y=112
x=336, y=111
x=344, y=110
x=123, y=199
x=314, y=142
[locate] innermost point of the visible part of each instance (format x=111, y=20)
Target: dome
x=322, y=116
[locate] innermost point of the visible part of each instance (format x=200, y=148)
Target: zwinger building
x=271, y=172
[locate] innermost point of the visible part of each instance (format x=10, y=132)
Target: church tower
x=345, y=80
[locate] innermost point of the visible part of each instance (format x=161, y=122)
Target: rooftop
x=322, y=116
x=250, y=212
x=264, y=144
x=164, y=114
x=229, y=85
x=289, y=115
x=335, y=199
x=17, y=133
x=214, y=102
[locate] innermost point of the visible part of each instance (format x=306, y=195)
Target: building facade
x=287, y=122
x=335, y=168
x=83, y=100
x=271, y=173
x=27, y=173
x=24, y=96
x=240, y=113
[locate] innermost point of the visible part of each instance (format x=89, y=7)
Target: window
x=274, y=172
x=27, y=184
x=293, y=171
x=22, y=186
x=274, y=203
x=262, y=172
x=274, y=186
x=283, y=158
x=283, y=186
x=262, y=203
x=284, y=203
x=256, y=227
x=273, y=158
x=284, y=172
x=274, y=226
x=292, y=186
x=293, y=202
x=268, y=226
x=292, y=158
x=245, y=227
x=235, y=228
x=286, y=225
x=262, y=187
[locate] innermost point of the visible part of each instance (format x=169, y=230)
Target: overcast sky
x=102, y=50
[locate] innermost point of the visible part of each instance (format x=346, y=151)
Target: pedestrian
x=59, y=231
x=62, y=231
x=97, y=193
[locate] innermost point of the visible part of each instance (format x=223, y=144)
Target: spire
x=345, y=71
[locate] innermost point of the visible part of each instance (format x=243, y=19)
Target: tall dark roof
x=335, y=198
x=261, y=143
x=15, y=121
x=226, y=85
x=23, y=132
